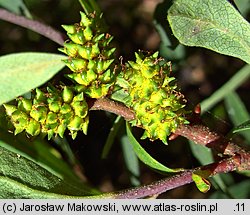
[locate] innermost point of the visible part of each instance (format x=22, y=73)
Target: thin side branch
x=177, y=180
x=33, y=25
x=202, y=135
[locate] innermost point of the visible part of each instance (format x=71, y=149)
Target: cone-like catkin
x=152, y=95
x=90, y=56
x=50, y=112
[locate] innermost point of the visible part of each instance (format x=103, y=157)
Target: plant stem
x=180, y=179
x=111, y=106
x=202, y=135
x=33, y=25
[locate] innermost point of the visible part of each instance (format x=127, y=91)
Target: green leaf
x=242, y=127
x=112, y=134
x=214, y=25
x=238, y=191
x=236, y=108
x=245, y=173
x=16, y=6
x=22, y=178
x=170, y=48
x=65, y=147
x=202, y=184
x=130, y=157
x=144, y=156
x=238, y=114
x=121, y=96
x=204, y=156
x=90, y=6
x=243, y=6
x=240, y=77
x=22, y=72
x=38, y=151
x=131, y=161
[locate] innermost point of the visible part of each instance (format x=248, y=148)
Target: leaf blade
x=111, y=137
x=16, y=6
x=25, y=71
x=214, y=25
x=22, y=178
x=238, y=114
x=240, y=77
x=238, y=191
x=131, y=160
x=201, y=183
x=144, y=156
x=243, y=127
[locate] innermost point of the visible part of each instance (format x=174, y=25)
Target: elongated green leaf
x=22, y=72
x=242, y=127
x=243, y=6
x=240, y=77
x=112, y=134
x=121, y=96
x=65, y=147
x=170, y=48
x=238, y=114
x=202, y=154
x=238, y=191
x=16, y=6
x=211, y=24
x=202, y=184
x=236, y=108
x=90, y=6
x=144, y=156
x=131, y=161
x=39, y=152
x=22, y=178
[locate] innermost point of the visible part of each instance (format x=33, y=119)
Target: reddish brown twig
x=111, y=106
x=33, y=25
x=202, y=135
x=185, y=177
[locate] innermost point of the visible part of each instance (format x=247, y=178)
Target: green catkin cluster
x=152, y=95
x=90, y=56
x=50, y=113
x=149, y=91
